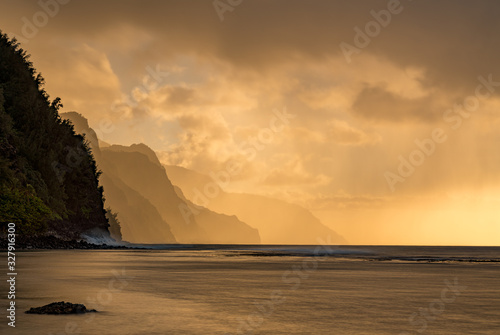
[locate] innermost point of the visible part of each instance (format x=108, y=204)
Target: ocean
x=234, y=289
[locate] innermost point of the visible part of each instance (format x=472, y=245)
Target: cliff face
x=137, y=172
x=48, y=176
x=148, y=206
x=278, y=222
x=142, y=171
x=139, y=220
x=220, y=228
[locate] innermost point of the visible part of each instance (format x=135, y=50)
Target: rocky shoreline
x=52, y=242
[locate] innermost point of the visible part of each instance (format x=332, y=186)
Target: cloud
x=343, y=200
x=378, y=104
x=342, y=133
x=84, y=78
x=293, y=172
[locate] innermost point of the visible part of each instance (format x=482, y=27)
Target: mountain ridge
x=275, y=219
x=134, y=172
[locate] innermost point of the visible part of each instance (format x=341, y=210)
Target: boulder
x=60, y=308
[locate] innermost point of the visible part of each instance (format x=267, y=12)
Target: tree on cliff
x=48, y=176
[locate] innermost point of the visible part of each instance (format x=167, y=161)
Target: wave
x=436, y=259
x=408, y=254
x=100, y=237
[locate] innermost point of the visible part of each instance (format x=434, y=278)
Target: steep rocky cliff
x=148, y=206
x=48, y=176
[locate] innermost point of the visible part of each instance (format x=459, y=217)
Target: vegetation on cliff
x=48, y=176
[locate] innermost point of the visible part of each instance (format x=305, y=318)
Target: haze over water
x=263, y=290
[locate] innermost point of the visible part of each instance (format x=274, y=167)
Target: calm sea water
x=262, y=290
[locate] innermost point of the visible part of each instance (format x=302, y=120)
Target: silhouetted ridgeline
x=150, y=209
x=278, y=222
x=48, y=176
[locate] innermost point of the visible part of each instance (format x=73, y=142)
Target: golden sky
x=381, y=117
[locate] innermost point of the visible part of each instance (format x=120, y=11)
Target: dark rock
x=52, y=242
x=60, y=308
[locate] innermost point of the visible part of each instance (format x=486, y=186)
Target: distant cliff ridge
x=148, y=206
x=48, y=176
x=141, y=171
x=139, y=220
x=220, y=228
x=139, y=189
x=278, y=222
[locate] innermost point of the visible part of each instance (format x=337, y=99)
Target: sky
x=381, y=117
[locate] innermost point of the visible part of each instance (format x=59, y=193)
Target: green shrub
x=25, y=209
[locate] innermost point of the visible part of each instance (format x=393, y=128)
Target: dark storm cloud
x=375, y=103
x=455, y=40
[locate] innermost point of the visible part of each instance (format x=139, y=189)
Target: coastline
x=55, y=243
